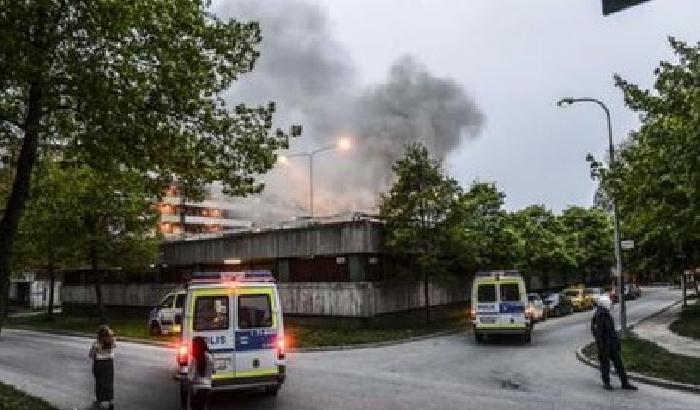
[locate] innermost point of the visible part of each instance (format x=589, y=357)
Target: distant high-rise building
x=182, y=218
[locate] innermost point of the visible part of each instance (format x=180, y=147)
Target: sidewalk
x=656, y=329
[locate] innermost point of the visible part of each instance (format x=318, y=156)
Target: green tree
x=49, y=232
x=119, y=222
x=539, y=246
x=589, y=236
x=482, y=240
x=77, y=216
x=417, y=215
x=128, y=85
x=656, y=180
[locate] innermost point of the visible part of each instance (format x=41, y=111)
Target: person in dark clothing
x=199, y=375
x=608, y=344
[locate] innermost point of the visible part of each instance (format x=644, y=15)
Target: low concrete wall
x=353, y=299
x=133, y=295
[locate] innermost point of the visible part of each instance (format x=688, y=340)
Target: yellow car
x=579, y=299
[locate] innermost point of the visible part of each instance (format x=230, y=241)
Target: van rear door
x=256, y=332
x=511, y=305
x=486, y=304
x=212, y=319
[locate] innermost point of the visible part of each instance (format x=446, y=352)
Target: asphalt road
x=450, y=372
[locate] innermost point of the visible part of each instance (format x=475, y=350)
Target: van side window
x=486, y=293
x=211, y=313
x=167, y=303
x=510, y=292
x=180, y=301
x=254, y=311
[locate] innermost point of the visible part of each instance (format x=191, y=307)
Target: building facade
x=180, y=218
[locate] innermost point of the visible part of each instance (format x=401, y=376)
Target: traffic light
x=613, y=6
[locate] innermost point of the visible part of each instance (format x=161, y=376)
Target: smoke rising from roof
x=312, y=79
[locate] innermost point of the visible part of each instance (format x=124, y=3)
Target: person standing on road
x=102, y=355
x=608, y=344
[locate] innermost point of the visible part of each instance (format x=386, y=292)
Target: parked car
x=579, y=300
x=535, y=307
x=558, y=304
x=632, y=291
x=593, y=294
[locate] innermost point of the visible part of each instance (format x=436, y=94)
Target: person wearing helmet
x=603, y=329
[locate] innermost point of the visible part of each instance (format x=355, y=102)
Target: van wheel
x=271, y=390
x=479, y=337
x=155, y=329
x=527, y=337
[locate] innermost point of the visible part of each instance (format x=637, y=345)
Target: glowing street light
x=342, y=144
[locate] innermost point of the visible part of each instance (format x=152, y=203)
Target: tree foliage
x=417, y=214
x=129, y=86
x=656, y=181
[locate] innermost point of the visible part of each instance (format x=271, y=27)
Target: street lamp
x=565, y=102
x=342, y=144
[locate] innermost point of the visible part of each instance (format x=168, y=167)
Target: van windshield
x=510, y=292
x=573, y=293
x=486, y=293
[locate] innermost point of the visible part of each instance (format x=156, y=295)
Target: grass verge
x=13, y=399
x=300, y=336
x=644, y=357
x=305, y=336
x=123, y=325
x=688, y=323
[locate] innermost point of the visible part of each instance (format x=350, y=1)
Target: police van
x=239, y=315
x=500, y=306
x=161, y=319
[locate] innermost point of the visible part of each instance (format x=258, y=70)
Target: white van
x=499, y=305
x=240, y=317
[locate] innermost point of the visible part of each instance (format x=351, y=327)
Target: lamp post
x=342, y=144
x=616, y=219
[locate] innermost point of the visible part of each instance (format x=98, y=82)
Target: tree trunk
x=426, y=295
x=20, y=192
x=52, y=284
x=98, y=282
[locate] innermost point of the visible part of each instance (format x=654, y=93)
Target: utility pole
x=616, y=217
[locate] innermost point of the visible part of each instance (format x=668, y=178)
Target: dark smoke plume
x=312, y=79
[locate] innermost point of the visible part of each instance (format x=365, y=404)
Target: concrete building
x=327, y=268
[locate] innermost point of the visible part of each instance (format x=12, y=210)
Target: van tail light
x=183, y=355
x=281, y=348
x=472, y=313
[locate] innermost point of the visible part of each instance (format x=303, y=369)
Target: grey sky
x=321, y=59
x=516, y=58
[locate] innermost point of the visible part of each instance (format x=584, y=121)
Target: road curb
x=387, y=343
x=693, y=388
x=298, y=350
x=91, y=336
